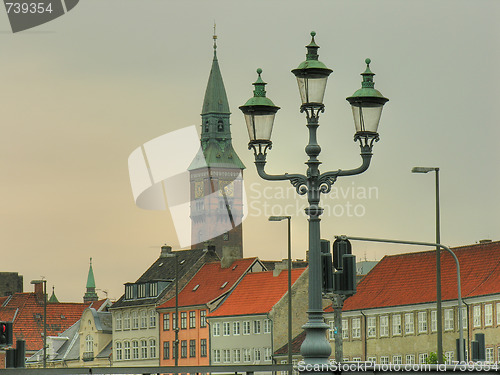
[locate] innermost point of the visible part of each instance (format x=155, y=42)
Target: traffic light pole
x=337, y=304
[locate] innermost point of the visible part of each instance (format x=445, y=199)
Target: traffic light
x=5, y=334
x=326, y=267
x=344, y=279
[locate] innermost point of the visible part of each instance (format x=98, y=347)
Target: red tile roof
x=210, y=279
x=411, y=278
x=257, y=293
x=27, y=313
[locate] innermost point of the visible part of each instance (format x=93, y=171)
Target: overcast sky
x=80, y=93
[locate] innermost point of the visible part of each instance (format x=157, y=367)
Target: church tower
x=90, y=295
x=216, y=175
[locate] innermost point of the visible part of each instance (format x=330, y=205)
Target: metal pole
x=337, y=304
x=438, y=277
x=44, y=323
x=459, y=288
x=176, y=310
x=289, y=291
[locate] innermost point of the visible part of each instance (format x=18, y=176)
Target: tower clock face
x=227, y=187
x=198, y=189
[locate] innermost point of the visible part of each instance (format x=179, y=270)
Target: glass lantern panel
x=312, y=90
x=259, y=126
x=366, y=119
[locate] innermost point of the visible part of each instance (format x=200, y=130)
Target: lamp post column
x=438, y=277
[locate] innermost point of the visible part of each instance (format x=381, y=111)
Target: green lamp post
x=259, y=112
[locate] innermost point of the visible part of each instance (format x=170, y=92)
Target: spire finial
x=215, y=37
x=90, y=260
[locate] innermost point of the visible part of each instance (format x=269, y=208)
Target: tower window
x=220, y=126
x=206, y=126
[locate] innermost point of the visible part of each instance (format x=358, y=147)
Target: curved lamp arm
x=297, y=180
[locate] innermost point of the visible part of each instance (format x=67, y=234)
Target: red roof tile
x=210, y=278
x=256, y=293
x=27, y=313
x=411, y=278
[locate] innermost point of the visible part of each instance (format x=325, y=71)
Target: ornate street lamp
x=259, y=114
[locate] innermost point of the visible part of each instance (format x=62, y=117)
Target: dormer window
x=129, y=291
x=141, y=291
x=153, y=289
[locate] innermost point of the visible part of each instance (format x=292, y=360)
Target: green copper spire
x=53, y=298
x=90, y=294
x=215, y=95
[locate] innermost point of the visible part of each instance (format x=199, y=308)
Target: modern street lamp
x=289, y=265
x=438, y=264
x=176, y=327
x=259, y=112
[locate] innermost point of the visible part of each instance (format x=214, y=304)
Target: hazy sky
x=80, y=93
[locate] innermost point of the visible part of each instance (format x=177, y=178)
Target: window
x=166, y=321
x=226, y=328
x=256, y=355
x=422, y=358
x=449, y=358
x=434, y=321
x=256, y=326
x=216, y=355
x=141, y=290
x=384, y=326
x=236, y=355
x=236, y=328
x=396, y=325
x=174, y=321
x=356, y=328
x=192, y=348
x=371, y=323
x=192, y=319
x=166, y=350
x=184, y=349
x=144, y=319
x=246, y=328
x=203, y=347
x=477, y=316
x=409, y=324
x=448, y=319
x=410, y=359
x=135, y=349
x=331, y=330
x=489, y=352
x=220, y=126
x=129, y=291
x=216, y=329
x=152, y=348
x=183, y=320
x=152, y=318
x=397, y=360
x=356, y=359
x=153, y=289
x=126, y=321
x=118, y=321
x=126, y=350
x=144, y=349
x=203, y=318
x=119, y=355
x=422, y=322
x=464, y=317
x=247, y=355
x=135, y=320
x=268, y=355
x=89, y=344
x=345, y=329
x=384, y=360
x=372, y=360
x=498, y=316
x=488, y=315
x=267, y=325
x=226, y=355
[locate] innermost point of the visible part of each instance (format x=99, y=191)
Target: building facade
x=393, y=316
x=252, y=322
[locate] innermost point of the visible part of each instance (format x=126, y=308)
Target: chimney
x=38, y=290
x=280, y=266
x=485, y=241
x=165, y=251
x=229, y=255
